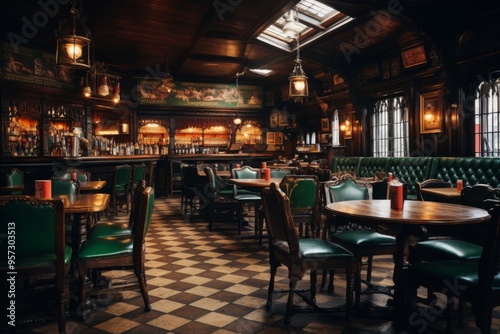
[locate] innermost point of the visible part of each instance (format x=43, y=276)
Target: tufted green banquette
x=410, y=170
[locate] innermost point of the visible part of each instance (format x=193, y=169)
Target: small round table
x=414, y=213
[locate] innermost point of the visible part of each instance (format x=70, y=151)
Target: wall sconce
x=73, y=41
x=344, y=126
x=429, y=114
x=124, y=128
x=454, y=114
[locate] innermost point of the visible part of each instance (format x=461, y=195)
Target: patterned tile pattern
x=215, y=282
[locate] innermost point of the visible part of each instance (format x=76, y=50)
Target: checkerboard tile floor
x=216, y=282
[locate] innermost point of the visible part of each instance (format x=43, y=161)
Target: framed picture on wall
x=278, y=138
x=269, y=99
x=270, y=139
x=413, y=56
x=348, y=127
x=431, y=112
x=325, y=125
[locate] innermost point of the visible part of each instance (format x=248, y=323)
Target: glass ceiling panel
x=314, y=12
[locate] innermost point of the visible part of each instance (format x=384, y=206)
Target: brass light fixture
x=298, y=80
x=103, y=84
x=237, y=120
x=73, y=41
x=167, y=82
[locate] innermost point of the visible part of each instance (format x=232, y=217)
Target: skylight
x=263, y=72
x=314, y=19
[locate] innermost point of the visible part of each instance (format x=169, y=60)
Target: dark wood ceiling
x=214, y=40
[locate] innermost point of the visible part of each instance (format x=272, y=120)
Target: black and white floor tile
x=214, y=282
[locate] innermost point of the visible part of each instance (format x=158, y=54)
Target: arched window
x=390, y=133
x=487, y=119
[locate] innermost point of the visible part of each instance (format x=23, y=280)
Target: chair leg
x=82, y=278
x=141, y=278
x=314, y=279
x=348, y=278
x=449, y=314
x=63, y=301
x=357, y=281
x=369, y=269
x=330, y=274
x=289, y=304
x=270, y=289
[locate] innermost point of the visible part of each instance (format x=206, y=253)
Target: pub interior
x=192, y=131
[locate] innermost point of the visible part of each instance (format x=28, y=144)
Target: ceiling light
x=291, y=27
x=73, y=41
x=259, y=71
x=237, y=119
x=103, y=89
x=298, y=79
x=167, y=82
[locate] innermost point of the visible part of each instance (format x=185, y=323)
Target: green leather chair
x=63, y=186
x=362, y=241
x=119, y=252
x=305, y=202
x=120, y=187
x=476, y=282
x=108, y=229
x=300, y=255
x=219, y=205
x=138, y=174
x=40, y=246
x=15, y=178
x=81, y=175
x=277, y=173
x=431, y=183
x=464, y=244
x=191, y=189
x=248, y=197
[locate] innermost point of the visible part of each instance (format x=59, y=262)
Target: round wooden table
x=253, y=183
x=402, y=223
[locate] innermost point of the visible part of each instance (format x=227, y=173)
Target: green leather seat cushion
x=226, y=192
x=106, y=246
x=316, y=248
x=109, y=229
x=247, y=197
x=447, y=249
x=435, y=273
x=363, y=238
x=38, y=260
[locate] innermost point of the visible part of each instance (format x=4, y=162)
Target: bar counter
x=102, y=167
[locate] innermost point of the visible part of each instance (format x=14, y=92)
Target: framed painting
x=348, y=127
x=269, y=99
x=278, y=138
x=325, y=125
x=431, y=112
x=413, y=56
x=324, y=138
x=270, y=138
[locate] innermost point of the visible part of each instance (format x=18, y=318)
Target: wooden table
x=11, y=189
x=402, y=222
x=92, y=185
x=220, y=173
x=446, y=193
x=255, y=184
